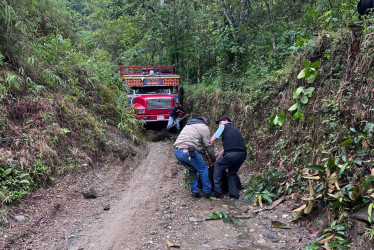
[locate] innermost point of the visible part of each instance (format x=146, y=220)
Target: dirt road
x=141, y=205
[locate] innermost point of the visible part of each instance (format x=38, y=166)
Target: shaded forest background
x=295, y=76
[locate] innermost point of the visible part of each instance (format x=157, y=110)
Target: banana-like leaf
x=370, y=210
x=300, y=209
x=337, y=185
x=309, y=177
x=332, y=178
x=311, y=190
x=309, y=208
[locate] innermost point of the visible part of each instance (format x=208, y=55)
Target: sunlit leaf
x=301, y=74
x=293, y=107
x=300, y=209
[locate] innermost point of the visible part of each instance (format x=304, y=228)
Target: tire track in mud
x=119, y=228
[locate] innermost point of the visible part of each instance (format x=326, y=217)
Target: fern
x=13, y=81
x=1, y=59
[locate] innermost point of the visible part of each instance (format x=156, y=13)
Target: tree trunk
x=273, y=37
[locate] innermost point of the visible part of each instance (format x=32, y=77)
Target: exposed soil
x=140, y=205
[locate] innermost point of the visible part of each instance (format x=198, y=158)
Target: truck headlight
x=141, y=111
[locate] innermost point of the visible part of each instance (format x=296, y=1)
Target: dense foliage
x=58, y=90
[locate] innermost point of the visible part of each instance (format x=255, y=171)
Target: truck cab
x=154, y=91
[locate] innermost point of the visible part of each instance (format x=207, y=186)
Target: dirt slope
x=147, y=206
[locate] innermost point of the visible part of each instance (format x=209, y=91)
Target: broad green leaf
x=307, y=73
x=319, y=188
x=305, y=63
x=24, y=182
x=337, y=160
x=344, y=154
x=316, y=167
x=309, y=91
x=331, y=163
x=369, y=128
x=7, y=171
x=282, y=116
x=312, y=246
x=346, y=142
x=343, y=167
x=293, y=107
x=360, y=153
x=316, y=64
x=311, y=79
x=357, y=161
x=299, y=90
x=304, y=99
x=226, y=220
x=298, y=115
x=215, y=216
x=275, y=121
x=301, y=74
x=267, y=198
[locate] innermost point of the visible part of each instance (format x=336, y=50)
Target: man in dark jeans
x=190, y=144
x=231, y=157
x=174, y=116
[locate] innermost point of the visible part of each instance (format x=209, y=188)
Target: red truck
x=154, y=91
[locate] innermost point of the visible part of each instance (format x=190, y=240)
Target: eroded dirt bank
x=147, y=206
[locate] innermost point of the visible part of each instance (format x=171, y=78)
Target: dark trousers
x=232, y=162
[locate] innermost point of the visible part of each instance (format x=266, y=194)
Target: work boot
x=196, y=195
x=234, y=196
x=216, y=195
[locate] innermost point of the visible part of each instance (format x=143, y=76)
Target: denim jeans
x=196, y=165
x=232, y=162
x=171, y=121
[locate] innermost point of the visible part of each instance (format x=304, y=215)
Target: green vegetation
x=56, y=88
x=227, y=218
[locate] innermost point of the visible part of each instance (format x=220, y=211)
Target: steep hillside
x=310, y=136
x=58, y=95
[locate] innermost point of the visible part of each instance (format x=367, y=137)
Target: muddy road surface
x=142, y=204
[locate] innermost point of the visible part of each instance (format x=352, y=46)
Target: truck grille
x=158, y=103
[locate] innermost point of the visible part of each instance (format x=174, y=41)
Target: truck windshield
x=152, y=90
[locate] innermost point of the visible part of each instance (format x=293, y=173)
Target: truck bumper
x=154, y=118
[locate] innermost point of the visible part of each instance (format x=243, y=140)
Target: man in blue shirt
x=231, y=157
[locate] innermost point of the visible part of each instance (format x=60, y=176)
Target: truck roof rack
x=146, y=70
